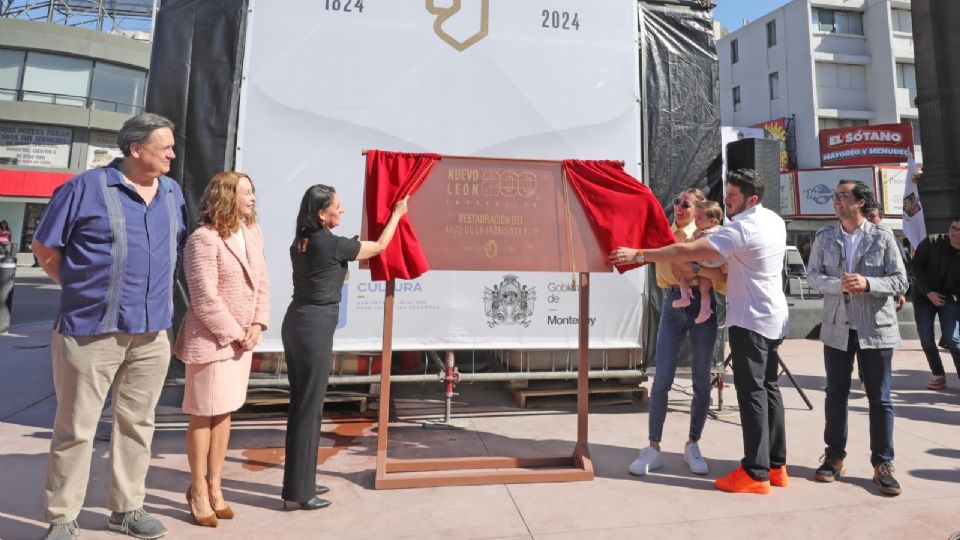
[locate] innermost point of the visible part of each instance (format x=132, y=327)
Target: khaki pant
x=83, y=369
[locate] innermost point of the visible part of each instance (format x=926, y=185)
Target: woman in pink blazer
x=229, y=306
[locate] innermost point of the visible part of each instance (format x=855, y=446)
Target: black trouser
x=756, y=368
x=307, y=335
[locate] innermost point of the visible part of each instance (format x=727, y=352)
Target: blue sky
x=730, y=13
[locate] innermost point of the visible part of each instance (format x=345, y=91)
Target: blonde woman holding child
x=707, y=218
x=676, y=323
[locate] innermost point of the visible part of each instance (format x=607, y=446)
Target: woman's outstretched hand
x=622, y=255
x=400, y=208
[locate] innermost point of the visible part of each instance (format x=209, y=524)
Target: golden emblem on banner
x=445, y=13
x=490, y=249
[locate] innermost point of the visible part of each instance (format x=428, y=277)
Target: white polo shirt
x=753, y=245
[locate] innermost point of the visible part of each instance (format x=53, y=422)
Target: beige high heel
x=203, y=521
x=222, y=513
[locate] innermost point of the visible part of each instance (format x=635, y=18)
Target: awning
x=17, y=183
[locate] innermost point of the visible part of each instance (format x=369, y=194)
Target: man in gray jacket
x=858, y=268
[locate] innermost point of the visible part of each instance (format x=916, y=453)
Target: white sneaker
x=693, y=458
x=648, y=460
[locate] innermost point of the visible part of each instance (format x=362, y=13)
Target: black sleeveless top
x=318, y=273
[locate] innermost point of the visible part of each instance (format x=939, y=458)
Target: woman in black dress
x=319, y=260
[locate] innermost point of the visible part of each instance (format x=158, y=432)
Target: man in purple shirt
x=111, y=237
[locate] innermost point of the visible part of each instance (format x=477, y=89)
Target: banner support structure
x=485, y=158
x=393, y=473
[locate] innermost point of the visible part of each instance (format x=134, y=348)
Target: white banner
x=788, y=194
x=102, y=149
x=481, y=78
x=815, y=187
x=914, y=227
x=892, y=182
x=31, y=145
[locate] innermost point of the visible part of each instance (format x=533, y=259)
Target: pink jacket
x=228, y=293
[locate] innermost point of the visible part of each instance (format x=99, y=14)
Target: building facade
x=824, y=64
x=64, y=93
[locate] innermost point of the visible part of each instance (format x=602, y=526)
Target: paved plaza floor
x=669, y=503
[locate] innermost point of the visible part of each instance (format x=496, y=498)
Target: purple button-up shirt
x=119, y=254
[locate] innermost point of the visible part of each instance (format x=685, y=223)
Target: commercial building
x=64, y=93
x=822, y=64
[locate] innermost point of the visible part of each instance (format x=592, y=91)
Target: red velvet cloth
x=624, y=212
x=391, y=176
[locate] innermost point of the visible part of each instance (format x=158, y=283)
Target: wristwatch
x=695, y=268
x=639, y=258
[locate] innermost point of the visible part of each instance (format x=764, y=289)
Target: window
x=736, y=98
x=771, y=33
x=774, y=80
x=901, y=20
x=830, y=123
x=66, y=80
x=734, y=52
x=11, y=69
x=916, y=132
x=837, y=22
x=117, y=89
x=849, y=22
x=63, y=80
x=906, y=76
x=846, y=76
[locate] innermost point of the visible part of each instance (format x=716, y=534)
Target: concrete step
x=805, y=314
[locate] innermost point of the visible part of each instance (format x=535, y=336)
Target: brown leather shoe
x=830, y=469
x=203, y=521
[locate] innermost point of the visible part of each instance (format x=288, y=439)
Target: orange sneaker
x=778, y=477
x=740, y=482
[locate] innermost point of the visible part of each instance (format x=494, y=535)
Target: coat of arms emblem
x=509, y=303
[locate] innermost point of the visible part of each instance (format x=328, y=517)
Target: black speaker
x=763, y=156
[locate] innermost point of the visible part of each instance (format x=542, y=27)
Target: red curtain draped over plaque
x=392, y=176
x=623, y=211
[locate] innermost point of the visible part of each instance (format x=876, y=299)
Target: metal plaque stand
x=393, y=473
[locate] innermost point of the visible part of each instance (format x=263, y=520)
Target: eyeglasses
x=842, y=195
x=954, y=230
x=682, y=204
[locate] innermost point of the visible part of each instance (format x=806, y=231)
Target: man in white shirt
x=753, y=245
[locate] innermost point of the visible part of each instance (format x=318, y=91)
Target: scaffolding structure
x=132, y=18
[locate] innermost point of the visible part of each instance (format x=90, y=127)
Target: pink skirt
x=217, y=387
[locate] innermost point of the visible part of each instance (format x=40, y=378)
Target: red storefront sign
x=31, y=183
x=866, y=145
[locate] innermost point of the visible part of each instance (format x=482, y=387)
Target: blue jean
x=675, y=323
x=875, y=365
x=924, y=311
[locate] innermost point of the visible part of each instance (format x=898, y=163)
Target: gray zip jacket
x=873, y=314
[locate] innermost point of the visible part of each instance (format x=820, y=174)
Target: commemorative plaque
x=513, y=215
